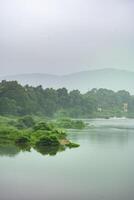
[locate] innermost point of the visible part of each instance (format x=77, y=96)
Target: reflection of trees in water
x=49, y=150
x=23, y=147
x=10, y=149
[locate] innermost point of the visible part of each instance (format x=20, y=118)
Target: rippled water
x=100, y=169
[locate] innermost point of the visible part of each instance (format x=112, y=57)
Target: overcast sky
x=64, y=36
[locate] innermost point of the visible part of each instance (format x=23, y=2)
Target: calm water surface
x=102, y=168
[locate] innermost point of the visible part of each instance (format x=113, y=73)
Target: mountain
x=113, y=79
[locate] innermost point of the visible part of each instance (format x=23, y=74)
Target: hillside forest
x=19, y=100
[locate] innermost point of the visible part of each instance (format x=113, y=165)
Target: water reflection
x=100, y=132
x=10, y=149
x=101, y=136
x=47, y=150
x=102, y=168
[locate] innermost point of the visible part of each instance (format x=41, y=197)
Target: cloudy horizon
x=65, y=36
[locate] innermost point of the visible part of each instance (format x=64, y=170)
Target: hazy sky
x=63, y=36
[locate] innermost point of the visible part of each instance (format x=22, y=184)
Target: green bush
x=70, y=124
x=8, y=132
x=47, y=140
x=59, y=133
x=22, y=140
x=72, y=145
x=25, y=122
x=43, y=126
x=78, y=124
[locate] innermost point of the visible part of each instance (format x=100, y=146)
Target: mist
x=61, y=37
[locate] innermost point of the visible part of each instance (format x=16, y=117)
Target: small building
x=125, y=107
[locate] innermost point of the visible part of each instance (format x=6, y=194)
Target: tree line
x=16, y=99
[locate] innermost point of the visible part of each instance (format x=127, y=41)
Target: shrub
x=43, y=126
x=72, y=145
x=47, y=140
x=25, y=122
x=59, y=132
x=8, y=132
x=79, y=124
x=70, y=124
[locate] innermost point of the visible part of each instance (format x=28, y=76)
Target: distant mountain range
x=86, y=80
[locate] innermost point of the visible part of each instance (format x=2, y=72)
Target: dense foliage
x=26, y=133
x=70, y=124
x=18, y=100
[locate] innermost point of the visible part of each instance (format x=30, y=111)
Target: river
x=102, y=168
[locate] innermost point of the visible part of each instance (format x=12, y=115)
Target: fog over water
x=101, y=168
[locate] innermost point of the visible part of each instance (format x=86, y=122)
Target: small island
x=42, y=135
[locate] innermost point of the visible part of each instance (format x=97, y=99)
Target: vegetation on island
x=26, y=133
